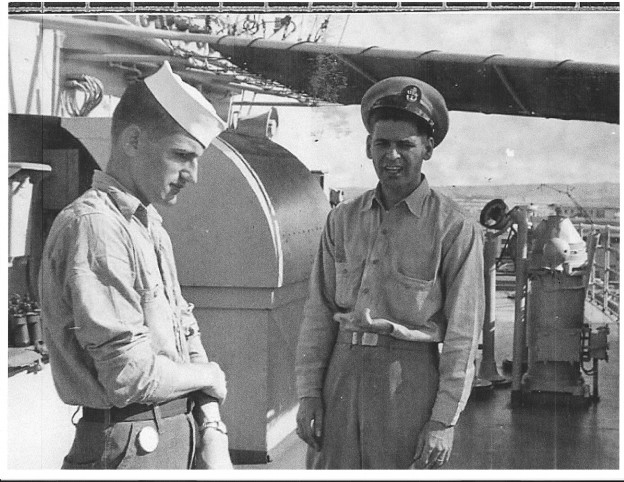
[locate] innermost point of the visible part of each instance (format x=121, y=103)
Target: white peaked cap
x=185, y=104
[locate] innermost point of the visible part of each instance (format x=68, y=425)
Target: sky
x=480, y=149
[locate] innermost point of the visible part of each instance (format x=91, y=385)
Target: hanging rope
x=81, y=95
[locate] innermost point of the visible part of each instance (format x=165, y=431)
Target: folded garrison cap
x=185, y=104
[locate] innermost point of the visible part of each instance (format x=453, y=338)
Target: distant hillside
x=605, y=194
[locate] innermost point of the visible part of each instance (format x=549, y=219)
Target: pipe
x=276, y=104
x=34, y=76
x=133, y=58
x=56, y=88
x=192, y=74
x=607, y=269
x=520, y=215
x=105, y=28
x=595, y=394
x=487, y=368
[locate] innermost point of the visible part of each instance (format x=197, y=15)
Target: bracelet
x=214, y=424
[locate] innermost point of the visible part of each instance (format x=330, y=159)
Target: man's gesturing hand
x=363, y=322
x=310, y=421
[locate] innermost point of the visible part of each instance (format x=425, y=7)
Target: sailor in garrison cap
x=124, y=345
x=398, y=272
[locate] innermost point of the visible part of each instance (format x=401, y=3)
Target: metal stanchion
x=488, y=369
x=519, y=339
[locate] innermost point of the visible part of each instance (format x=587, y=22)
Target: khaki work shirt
x=419, y=264
x=115, y=323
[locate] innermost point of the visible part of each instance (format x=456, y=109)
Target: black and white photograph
x=303, y=240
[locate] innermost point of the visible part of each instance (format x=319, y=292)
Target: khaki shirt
x=115, y=323
x=419, y=264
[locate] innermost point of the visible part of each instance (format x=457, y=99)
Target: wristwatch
x=214, y=424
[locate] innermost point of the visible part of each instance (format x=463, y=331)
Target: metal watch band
x=214, y=424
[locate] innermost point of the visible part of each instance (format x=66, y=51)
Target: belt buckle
x=370, y=339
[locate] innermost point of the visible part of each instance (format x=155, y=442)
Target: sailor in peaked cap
x=409, y=95
x=400, y=269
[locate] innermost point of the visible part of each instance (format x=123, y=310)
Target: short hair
x=139, y=106
x=389, y=113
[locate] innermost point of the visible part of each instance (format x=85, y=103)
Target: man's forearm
x=206, y=407
x=179, y=379
x=313, y=353
x=464, y=311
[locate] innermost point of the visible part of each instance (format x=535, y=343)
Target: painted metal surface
x=20, y=197
x=492, y=84
x=297, y=199
x=253, y=220
x=244, y=239
x=555, y=319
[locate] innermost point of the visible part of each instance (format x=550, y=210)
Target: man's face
x=164, y=165
x=398, y=151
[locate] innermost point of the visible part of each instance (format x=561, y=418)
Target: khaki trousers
x=115, y=446
x=376, y=400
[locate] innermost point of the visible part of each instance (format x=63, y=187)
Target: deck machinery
x=552, y=339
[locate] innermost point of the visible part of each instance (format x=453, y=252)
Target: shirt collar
x=128, y=204
x=414, y=201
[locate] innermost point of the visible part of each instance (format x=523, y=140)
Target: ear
x=129, y=140
x=429, y=145
x=369, y=141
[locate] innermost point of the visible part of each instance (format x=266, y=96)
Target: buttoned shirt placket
x=377, y=246
x=165, y=274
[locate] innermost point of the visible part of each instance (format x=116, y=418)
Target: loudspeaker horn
x=494, y=215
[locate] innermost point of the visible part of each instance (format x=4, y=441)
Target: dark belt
x=377, y=340
x=137, y=411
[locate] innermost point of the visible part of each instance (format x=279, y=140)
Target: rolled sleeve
x=108, y=319
x=197, y=353
x=464, y=310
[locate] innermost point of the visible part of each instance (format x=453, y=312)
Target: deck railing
x=604, y=279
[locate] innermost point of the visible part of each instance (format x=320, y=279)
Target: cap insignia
x=412, y=93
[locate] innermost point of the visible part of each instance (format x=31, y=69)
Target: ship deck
x=493, y=435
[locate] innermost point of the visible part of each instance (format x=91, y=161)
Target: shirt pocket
x=153, y=302
x=348, y=280
x=149, y=295
x=410, y=298
x=157, y=317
